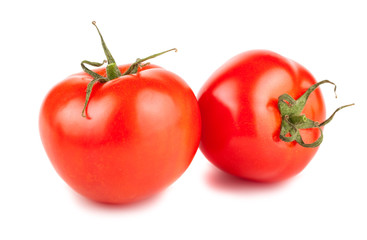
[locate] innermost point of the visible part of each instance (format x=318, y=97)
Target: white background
x=42, y=42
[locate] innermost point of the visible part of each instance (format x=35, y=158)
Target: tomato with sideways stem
x=252, y=126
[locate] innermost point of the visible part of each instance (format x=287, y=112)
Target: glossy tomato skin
x=140, y=134
x=241, y=120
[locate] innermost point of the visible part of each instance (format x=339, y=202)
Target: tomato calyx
x=293, y=120
x=112, y=70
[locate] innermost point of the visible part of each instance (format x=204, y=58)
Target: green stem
x=112, y=69
x=297, y=119
x=293, y=120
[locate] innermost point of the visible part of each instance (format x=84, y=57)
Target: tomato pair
x=122, y=133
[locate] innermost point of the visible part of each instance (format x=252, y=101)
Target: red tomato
x=241, y=121
x=140, y=133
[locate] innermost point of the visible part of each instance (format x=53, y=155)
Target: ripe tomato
x=140, y=133
x=241, y=122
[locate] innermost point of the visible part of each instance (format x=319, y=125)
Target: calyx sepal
x=292, y=119
x=112, y=70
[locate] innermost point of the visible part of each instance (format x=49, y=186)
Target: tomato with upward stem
x=121, y=133
x=252, y=126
